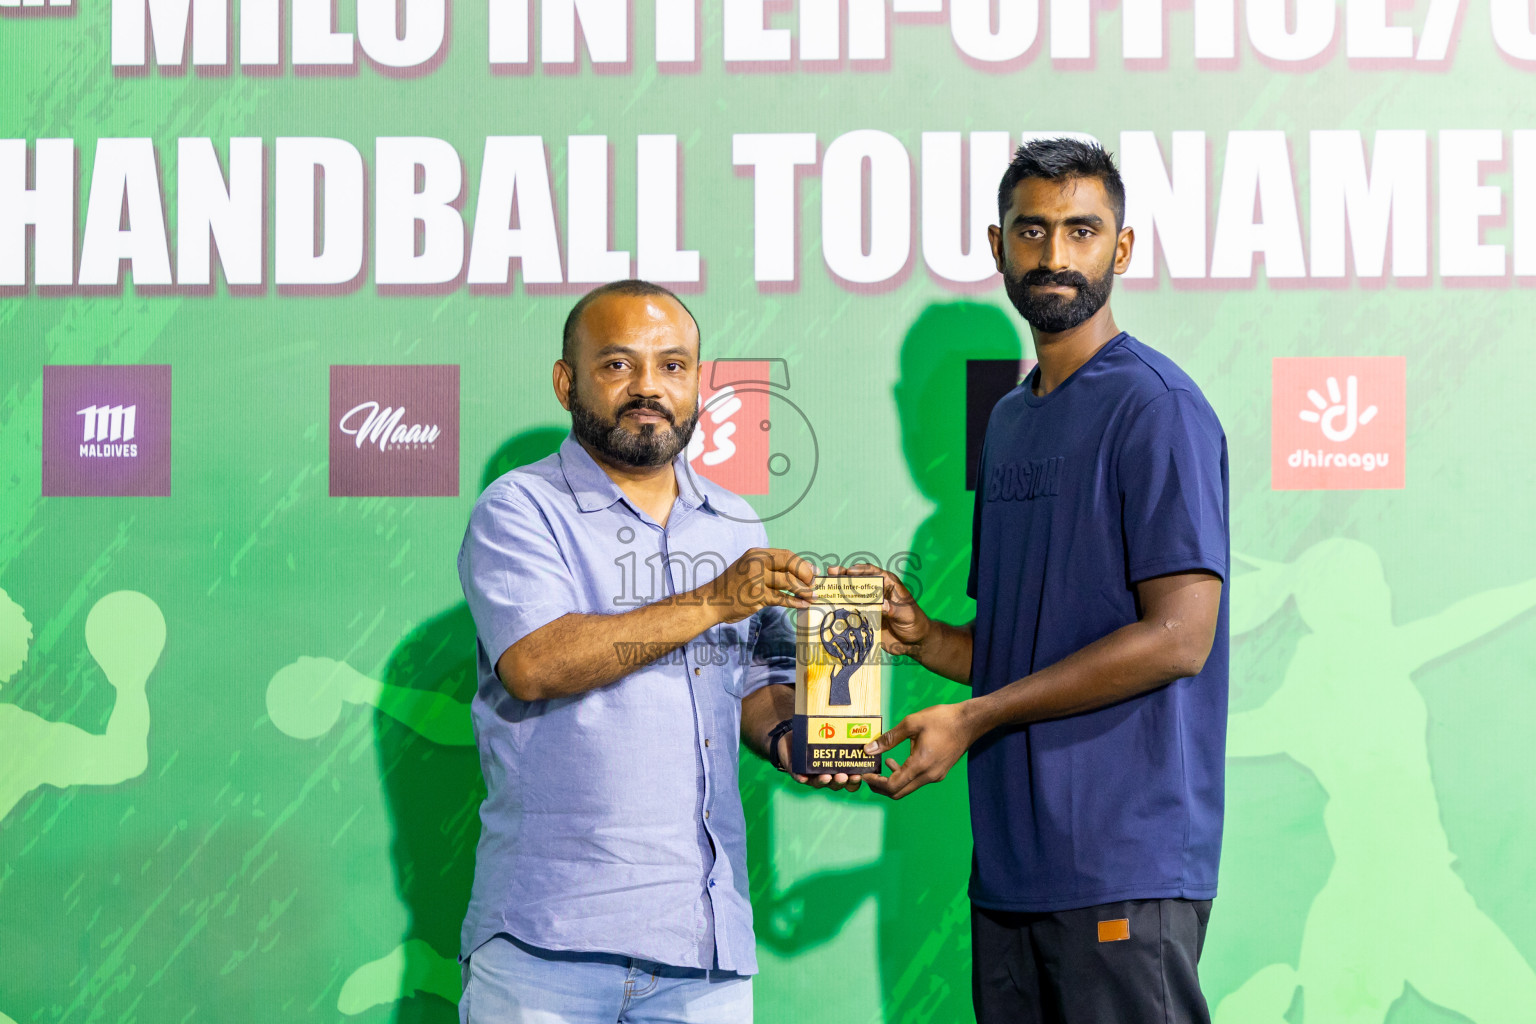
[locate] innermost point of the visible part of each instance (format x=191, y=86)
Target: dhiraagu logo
x=1339, y=414
x=1339, y=423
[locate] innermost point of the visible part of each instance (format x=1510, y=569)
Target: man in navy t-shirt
x=1098, y=657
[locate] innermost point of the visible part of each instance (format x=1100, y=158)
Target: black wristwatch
x=773, y=742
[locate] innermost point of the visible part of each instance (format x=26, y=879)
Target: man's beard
x=1052, y=314
x=649, y=447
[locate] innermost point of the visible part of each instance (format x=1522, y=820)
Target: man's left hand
x=939, y=735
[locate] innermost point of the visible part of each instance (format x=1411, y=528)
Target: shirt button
x=706, y=741
x=706, y=817
x=698, y=671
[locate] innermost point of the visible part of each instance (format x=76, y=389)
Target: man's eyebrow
x=625, y=350
x=613, y=350
x=1091, y=220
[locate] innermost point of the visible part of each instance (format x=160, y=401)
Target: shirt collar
x=594, y=489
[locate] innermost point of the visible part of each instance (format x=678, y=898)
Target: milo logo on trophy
x=837, y=677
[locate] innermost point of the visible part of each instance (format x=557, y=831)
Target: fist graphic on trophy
x=848, y=637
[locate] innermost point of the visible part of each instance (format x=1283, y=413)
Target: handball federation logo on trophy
x=106, y=431
x=1339, y=423
x=394, y=431
x=847, y=637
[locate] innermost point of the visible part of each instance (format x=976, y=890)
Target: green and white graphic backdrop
x=237, y=781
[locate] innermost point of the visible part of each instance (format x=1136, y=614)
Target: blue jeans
x=509, y=982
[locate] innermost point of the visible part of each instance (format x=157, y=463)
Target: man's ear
x=1123, y=246
x=995, y=239
x=562, y=380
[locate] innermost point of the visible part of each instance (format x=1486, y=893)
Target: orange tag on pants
x=1118, y=930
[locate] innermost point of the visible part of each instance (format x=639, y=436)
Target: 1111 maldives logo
x=106, y=431
x=1339, y=423
x=109, y=431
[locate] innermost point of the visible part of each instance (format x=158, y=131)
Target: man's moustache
x=641, y=405
x=1066, y=277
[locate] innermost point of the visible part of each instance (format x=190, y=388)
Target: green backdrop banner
x=280, y=290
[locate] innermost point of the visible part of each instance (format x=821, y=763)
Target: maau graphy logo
x=1339, y=423
x=394, y=431
x=106, y=431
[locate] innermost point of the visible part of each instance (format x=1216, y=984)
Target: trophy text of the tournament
x=837, y=677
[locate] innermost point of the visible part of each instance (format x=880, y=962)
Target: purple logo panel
x=106, y=431
x=394, y=431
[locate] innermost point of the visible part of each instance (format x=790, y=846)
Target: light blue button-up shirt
x=612, y=821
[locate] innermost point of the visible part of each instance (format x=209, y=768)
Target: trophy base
x=828, y=744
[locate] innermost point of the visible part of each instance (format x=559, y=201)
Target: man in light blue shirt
x=632, y=625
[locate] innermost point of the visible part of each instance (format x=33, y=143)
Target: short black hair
x=1061, y=159
x=632, y=286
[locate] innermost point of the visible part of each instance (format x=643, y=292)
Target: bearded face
x=1059, y=250
x=1052, y=312
x=641, y=444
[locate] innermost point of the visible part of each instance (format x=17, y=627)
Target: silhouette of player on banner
x=1392, y=912
x=125, y=633
x=304, y=700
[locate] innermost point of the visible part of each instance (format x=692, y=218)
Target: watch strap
x=773, y=742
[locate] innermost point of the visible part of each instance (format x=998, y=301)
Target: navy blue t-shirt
x=1117, y=476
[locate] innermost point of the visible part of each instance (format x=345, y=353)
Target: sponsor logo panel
x=394, y=431
x=752, y=439
x=1339, y=423
x=106, y=431
x=730, y=445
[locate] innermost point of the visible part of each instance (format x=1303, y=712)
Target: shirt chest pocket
x=725, y=652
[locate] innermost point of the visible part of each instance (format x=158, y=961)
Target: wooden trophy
x=837, y=677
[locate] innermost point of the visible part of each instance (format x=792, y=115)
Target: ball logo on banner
x=1339, y=423
x=730, y=443
x=751, y=439
x=106, y=431
x=394, y=431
